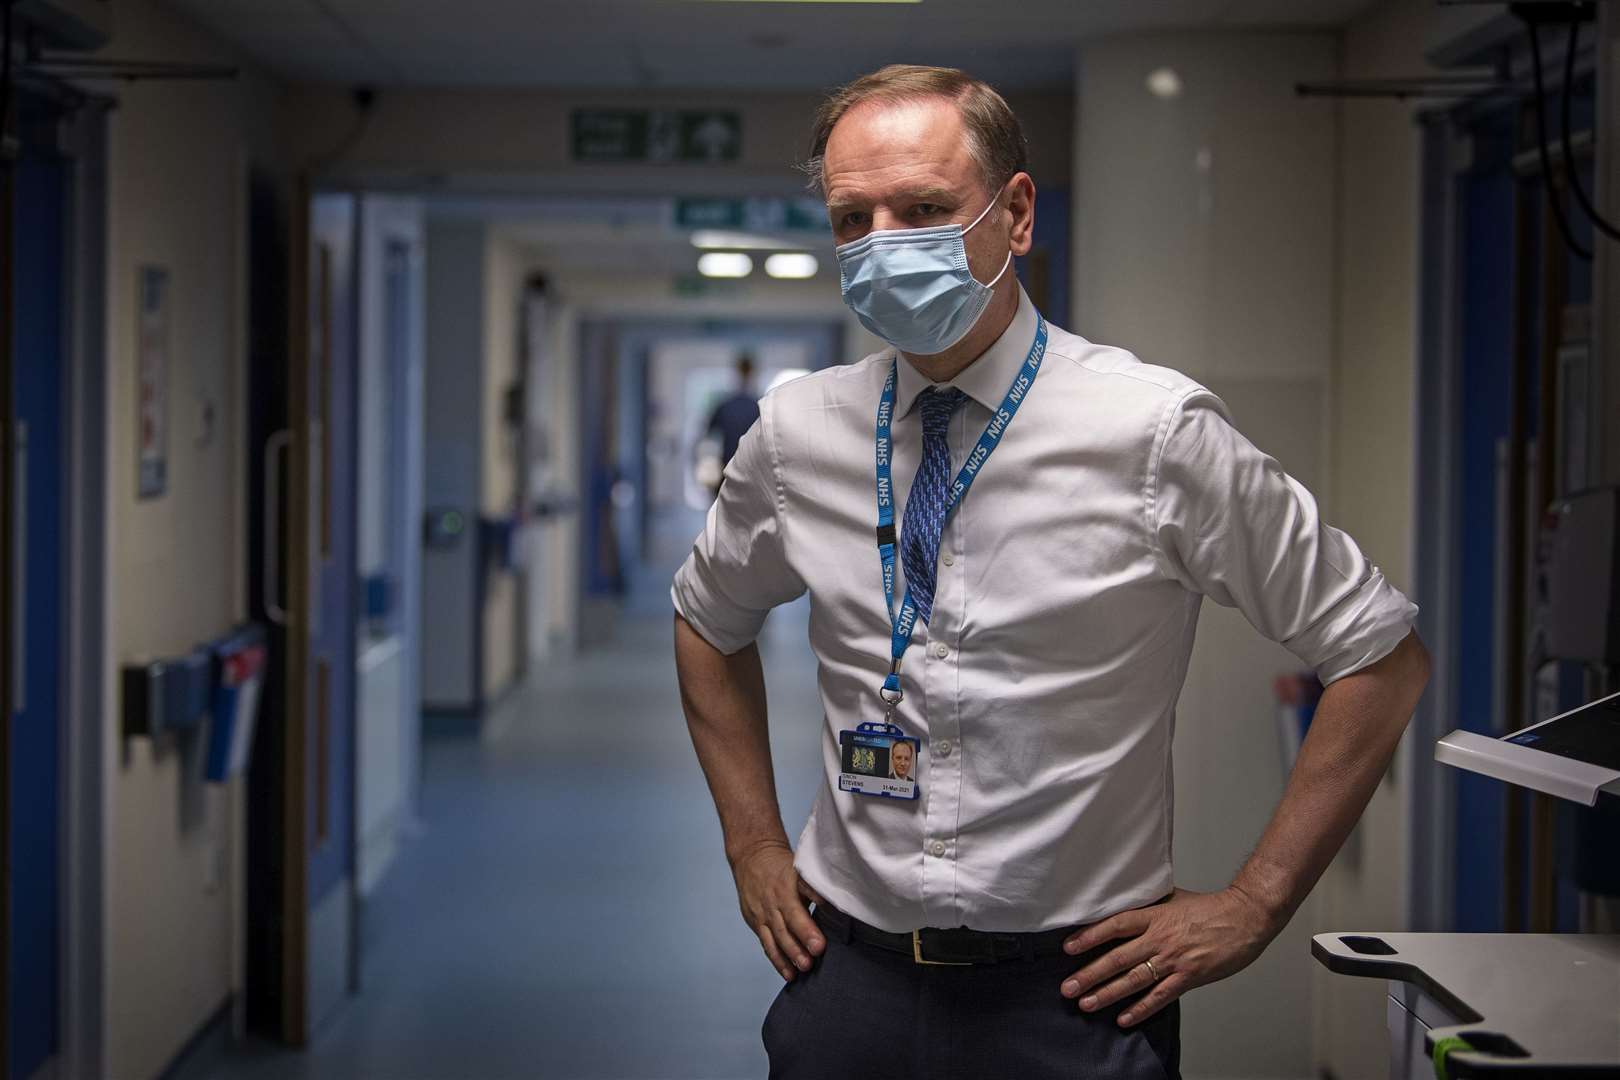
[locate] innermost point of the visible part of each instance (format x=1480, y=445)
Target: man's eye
x=854, y=219
x=927, y=210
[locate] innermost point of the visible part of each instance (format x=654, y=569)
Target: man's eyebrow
x=933, y=195
x=942, y=195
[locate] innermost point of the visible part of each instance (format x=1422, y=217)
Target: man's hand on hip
x=775, y=903
x=1167, y=949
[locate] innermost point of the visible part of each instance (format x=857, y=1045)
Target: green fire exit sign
x=656, y=135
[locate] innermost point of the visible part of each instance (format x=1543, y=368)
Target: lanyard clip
x=890, y=691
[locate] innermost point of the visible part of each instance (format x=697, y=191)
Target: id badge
x=878, y=760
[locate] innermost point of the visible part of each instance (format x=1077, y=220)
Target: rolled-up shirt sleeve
x=1229, y=523
x=738, y=569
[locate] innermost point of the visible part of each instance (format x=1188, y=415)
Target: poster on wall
x=152, y=387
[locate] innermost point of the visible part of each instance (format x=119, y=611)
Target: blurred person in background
x=1018, y=915
x=729, y=422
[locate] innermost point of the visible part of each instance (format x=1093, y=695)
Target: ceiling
x=703, y=43
x=617, y=235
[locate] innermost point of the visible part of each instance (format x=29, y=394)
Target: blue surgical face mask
x=913, y=288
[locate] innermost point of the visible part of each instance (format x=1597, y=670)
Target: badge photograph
x=883, y=764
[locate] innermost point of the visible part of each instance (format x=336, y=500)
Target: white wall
x=177, y=191
x=388, y=679
x=1204, y=242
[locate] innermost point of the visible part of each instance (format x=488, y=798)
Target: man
x=902, y=756
x=1068, y=507
x=733, y=417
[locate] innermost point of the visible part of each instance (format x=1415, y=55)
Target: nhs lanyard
x=905, y=621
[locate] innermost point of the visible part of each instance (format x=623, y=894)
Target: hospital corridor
x=562, y=842
x=893, y=539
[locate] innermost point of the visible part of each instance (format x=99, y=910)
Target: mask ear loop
x=986, y=210
x=1003, y=271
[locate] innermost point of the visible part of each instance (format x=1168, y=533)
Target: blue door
x=36, y=434
x=1487, y=253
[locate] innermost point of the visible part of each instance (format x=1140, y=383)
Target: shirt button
x=942, y=650
x=948, y=559
x=943, y=748
x=937, y=848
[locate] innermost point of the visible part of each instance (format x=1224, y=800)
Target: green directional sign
x=767, y=215
x=657, y=135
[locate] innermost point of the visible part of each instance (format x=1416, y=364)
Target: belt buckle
x=917, y=956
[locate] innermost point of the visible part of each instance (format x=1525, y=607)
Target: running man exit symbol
x=711, y=137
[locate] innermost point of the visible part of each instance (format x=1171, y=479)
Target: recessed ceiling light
x=792, y=265
x=1164, y=83
x=723, y=240
x=725, y=264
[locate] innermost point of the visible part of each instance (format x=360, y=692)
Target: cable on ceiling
x=5, y=78
x=1560, y=218
x=1573, y=174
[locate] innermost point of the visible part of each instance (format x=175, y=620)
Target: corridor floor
x=565, y=910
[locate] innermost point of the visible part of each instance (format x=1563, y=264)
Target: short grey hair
x=995, y=139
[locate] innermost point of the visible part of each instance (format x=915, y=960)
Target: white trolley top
x=1574, y=755
x=1556, y=996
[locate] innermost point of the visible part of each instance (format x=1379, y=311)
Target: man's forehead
x=902, y=117
x=918, y=142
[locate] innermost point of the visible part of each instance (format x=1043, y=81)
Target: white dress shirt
x=1069, y=581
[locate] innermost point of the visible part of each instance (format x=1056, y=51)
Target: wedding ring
x=1152, y=971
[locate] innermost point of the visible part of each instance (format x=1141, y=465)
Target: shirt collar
x=986, y=379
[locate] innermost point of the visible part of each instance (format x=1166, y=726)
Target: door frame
x=81, y=814
x=297, y=917
x=85, y=697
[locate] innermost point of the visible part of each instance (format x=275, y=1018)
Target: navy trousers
x=865, y=1012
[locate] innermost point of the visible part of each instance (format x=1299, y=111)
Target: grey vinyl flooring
x=565, y=909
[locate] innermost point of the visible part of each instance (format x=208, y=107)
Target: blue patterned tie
x=925, y=506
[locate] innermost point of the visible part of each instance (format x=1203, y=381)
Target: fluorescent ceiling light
x=730, y=264
x=791, y=264
x=712, y=239
x=815, y=1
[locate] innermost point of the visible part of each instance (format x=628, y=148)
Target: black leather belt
x=959, y=947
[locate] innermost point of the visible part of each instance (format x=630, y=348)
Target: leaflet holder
x=163, y=696
x=214, y=686
x=241, y=662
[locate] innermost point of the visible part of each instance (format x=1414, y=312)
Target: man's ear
x=1021, y=208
